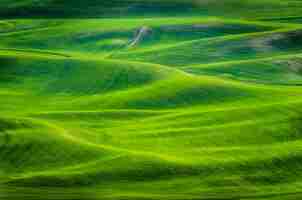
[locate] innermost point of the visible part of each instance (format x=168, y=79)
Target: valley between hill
x=204, y=105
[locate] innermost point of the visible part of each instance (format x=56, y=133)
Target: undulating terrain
x=150, y=100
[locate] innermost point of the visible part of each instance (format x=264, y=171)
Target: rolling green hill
x=120, y=8
x=159, y=99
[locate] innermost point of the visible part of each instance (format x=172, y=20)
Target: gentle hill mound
x=103, y=37
x=29, y=145
x=181, y=91
x=76, y=76
x=156, y=156
x=219, y=49
x=285, y=70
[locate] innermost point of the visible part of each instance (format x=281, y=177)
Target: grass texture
x=123, y=100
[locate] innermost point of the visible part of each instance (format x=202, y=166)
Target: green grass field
x=150, y=100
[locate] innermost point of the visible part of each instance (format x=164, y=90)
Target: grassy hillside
x=120, y=8
x=159, y=99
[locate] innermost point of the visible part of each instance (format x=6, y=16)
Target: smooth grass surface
x=258, y=9
x=199, y=108
x=281, y=70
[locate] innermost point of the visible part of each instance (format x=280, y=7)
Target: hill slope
x=100, y=8
x=145, y=106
